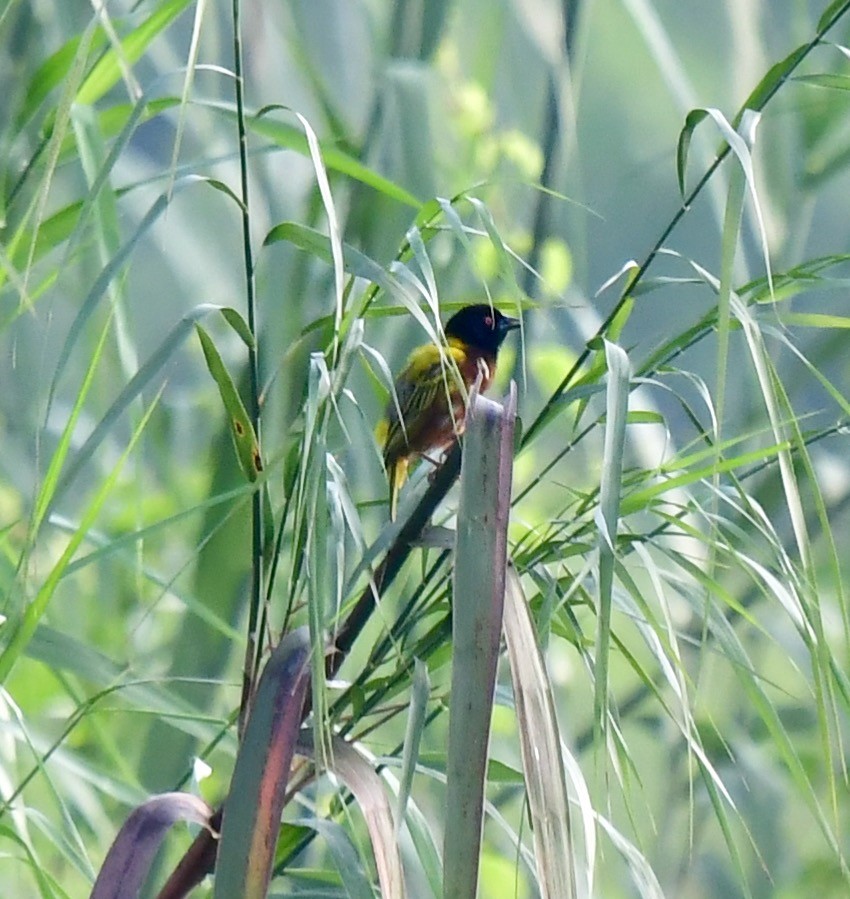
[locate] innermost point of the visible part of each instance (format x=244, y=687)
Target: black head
x=480, y=326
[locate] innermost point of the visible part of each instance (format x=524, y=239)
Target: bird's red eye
x=488, y=320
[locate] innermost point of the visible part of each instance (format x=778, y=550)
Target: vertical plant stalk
x=477, y=607
x=252, y=650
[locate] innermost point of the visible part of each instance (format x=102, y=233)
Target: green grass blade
x=419, y=696
x=152, y=367
x=115, y=62
x=22, y=632
x=241, y=430
x=617, y=402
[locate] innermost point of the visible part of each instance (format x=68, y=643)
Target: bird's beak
x=508, y=324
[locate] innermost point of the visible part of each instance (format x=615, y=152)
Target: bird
x=427, y=412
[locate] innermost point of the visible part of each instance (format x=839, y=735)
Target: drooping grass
x=715, y=592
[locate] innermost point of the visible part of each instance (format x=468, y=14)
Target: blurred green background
x=126, y=557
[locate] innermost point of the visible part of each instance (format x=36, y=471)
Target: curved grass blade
x=354, y=262
x=99, y=288
x=188, y=81
x=290, y=138
x=50, y=485
x=111, y=270
x=129, y=859
x=251, y=818
x=359, y=775
x=334, y=233
x=739, y=142
x=643, y=877
x=542, y=763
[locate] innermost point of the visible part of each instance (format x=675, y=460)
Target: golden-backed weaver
x=428, y=411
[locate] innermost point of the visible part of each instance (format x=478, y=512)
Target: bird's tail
x=397, y=475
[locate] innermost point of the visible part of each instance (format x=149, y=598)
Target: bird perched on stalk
x=427, y=413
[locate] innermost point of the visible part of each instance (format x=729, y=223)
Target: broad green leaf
x=832, y=14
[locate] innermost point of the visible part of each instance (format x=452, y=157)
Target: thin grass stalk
x=253, y=649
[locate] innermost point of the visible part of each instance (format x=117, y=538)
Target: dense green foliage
x=658, y=188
